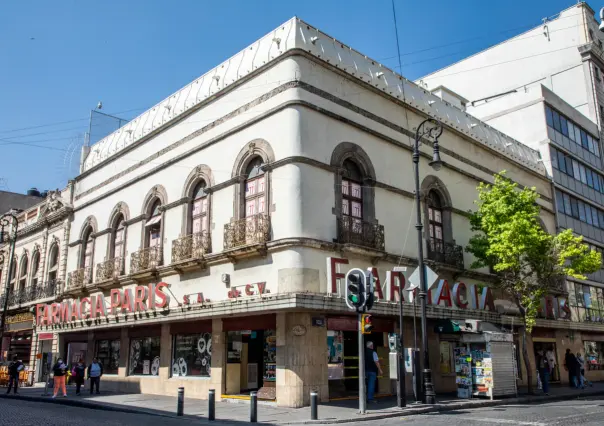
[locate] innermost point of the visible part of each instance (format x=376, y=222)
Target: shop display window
x=335, y=354
x=108, y=354
x=144, y=356
x=192, y=355
x=594, y=355
x=270, y=356
x=446, y=358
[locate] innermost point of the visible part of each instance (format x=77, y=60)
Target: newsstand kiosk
x=485, y=365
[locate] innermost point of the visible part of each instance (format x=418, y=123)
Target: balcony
x=250, y=231
x=79, y=279
x=446, y=253
x=32, y=293
x=144, y=260
x=110, y=270
x=190, y=250
x=360, y=233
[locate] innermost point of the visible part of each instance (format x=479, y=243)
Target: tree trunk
x=527, y=364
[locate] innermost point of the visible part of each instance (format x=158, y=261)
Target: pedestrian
x=14, y=369
x=372, y=367
x=572, y=366
x=79, y=375
x=581, y=363
x=95, y=371
x=59, y=371
x=544, y=370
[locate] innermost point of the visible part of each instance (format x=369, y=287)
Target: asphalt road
x=584, y=412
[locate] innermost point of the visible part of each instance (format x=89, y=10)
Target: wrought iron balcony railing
x=79, y=278
x=110, y=269
x=445, y=252
x=193, y=246
x=32, y=293
x=147, y=258
x=250, y=230
x=360, y=233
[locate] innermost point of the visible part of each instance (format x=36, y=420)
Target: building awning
x=153, y=220
x=447, y=327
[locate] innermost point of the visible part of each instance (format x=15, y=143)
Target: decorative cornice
x=173, y=204
x=135, y=219
x=75, y=243
x=102, y=232
x=48, y=220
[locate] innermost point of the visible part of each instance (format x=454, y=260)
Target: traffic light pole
x=362, y=391
x=401, y=399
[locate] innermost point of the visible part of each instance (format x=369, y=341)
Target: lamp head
x=602, y=20
x=436, y=162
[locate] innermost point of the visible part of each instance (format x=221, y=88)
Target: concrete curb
x=358, y=418
x=449, y=407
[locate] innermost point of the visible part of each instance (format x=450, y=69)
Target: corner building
x=210, y=234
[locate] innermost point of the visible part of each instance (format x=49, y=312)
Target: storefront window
x=192, y=355
x=594, y=355
x=108, y=354
x=586, y=302
x=270, y=356
x=446, y=358
x=335, y=354
x=144, y=356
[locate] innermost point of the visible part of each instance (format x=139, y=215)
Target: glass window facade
x=580, y=210
x=144, y=356
x=576, y=170
x=586, y=302
x=574, y=132
x=191, y=355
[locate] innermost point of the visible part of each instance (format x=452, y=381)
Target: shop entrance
x=549, y=348
x=45, y=359
x=251, y=363
x=343, y=356
x=251, y=348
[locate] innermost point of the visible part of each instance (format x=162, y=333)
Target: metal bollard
x=314, y=403
x=180, y=406
x=212, y=405
x=253, y=407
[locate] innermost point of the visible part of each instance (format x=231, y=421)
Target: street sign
x=431, y=278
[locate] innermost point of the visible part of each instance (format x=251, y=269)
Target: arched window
x=255, y=186
x=35, y=266
x=13, y=276
x=87, y=249
x=199, y=209
x=153, y=225
x=118, y=238
x=23, y=272
x=435, y=221
x=352, y=197
x=53, y=263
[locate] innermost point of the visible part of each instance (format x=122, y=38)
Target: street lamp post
x=5, y=221
x=432, y=129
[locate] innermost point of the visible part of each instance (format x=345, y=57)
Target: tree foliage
x=529, y=262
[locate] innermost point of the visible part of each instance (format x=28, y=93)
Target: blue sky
x=59, y=58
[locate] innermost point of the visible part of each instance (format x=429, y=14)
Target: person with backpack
x=79, y=375
x=59, y=371
x=544, y=370
x=95, y=371
x=14, y=369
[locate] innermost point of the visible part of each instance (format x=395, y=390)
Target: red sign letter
x=459, y=295
x=140, y=293
x=163, y=299
x=333, y=274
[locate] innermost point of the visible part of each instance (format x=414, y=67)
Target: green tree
x=529, y=262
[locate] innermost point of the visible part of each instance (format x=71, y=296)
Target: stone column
x=64, y=250
x=218, y=361
x=301, y=360
x=165, y=354
x=124, y=350
x=90, y=348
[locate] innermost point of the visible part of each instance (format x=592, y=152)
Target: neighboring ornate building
x=210, y=234
x=38, y=276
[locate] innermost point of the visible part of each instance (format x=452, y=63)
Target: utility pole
x=362, y=390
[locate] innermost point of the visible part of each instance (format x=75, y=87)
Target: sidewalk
x=269, y=413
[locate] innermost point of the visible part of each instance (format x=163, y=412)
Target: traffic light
x=366, y=324
x=355, y=289
x=371, y=283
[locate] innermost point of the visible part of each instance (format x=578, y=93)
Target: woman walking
x=59, y=370
x=79, y=375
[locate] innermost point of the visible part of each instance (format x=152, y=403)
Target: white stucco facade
x=304, y=105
